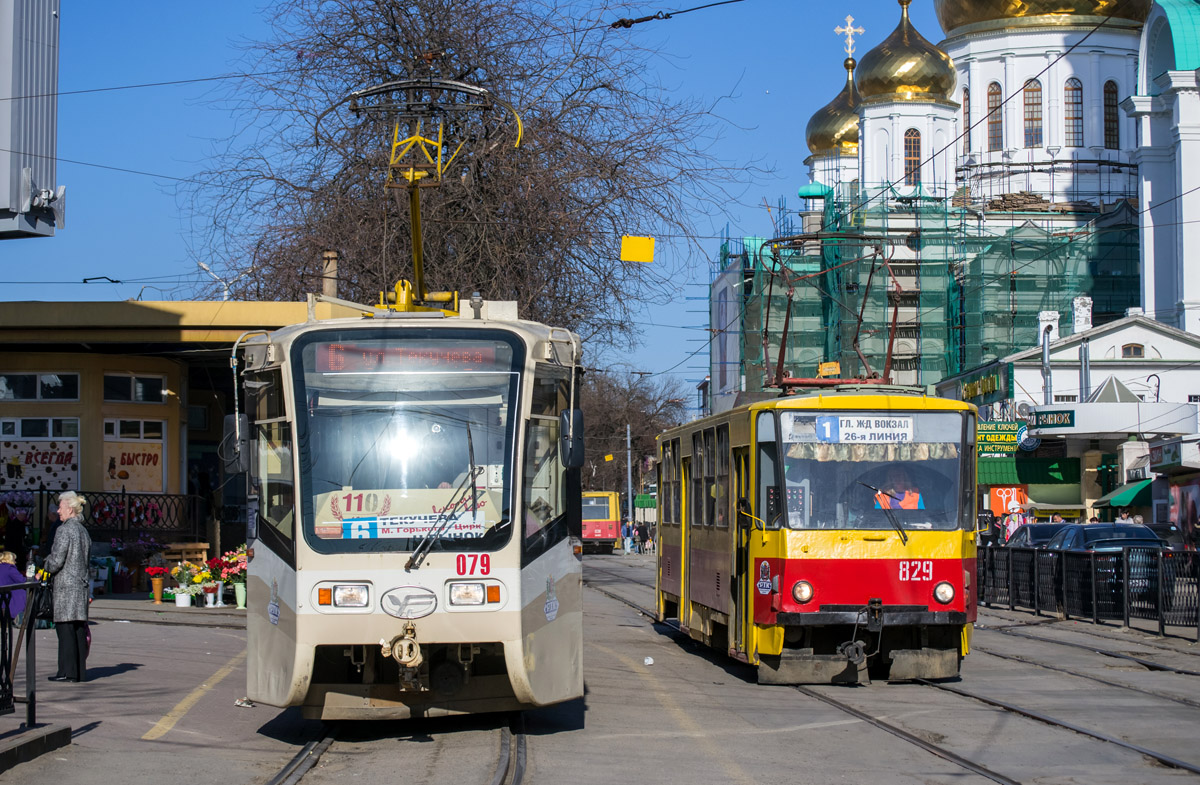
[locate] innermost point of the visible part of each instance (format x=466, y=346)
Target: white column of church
x=1128, y=125
x=1014, y=128
x=978, y=100
x=1187, y=157
x=1052, y=91
x=1093, y=94
x=894, y=173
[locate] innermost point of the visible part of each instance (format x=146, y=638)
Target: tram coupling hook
x=404, y=648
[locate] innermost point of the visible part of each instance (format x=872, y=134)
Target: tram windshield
x=867, y=470
x=405, y=434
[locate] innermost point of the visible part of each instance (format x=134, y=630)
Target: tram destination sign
x=997, y=439
x=858, y=429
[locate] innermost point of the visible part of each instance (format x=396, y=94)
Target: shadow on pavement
x=112, y=670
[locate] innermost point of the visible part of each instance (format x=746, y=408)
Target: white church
x=1067, y=107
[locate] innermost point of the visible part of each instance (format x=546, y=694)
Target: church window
x=1074, y=112
x=912, y=157
x=995, y=118
x=1033, y=113
x=966, y=95
x=1112, y=122
x=1132, y=351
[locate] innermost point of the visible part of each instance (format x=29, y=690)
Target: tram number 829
x=916, y=570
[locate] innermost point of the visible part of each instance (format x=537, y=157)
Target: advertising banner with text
x=135, y=466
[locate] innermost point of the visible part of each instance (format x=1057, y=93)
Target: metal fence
x=10, y=651
x=1135, y=583
x=124, y=516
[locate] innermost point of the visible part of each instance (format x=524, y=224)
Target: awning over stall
x=1131, y=494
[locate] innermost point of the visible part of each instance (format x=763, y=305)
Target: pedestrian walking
x=643, y=535
x=1124, y=517
x=627, y=536
x=68, y=564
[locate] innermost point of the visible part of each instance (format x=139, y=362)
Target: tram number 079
x=911, y=570
x=469, y=563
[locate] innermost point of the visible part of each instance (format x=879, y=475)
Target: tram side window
x=966, y=506
x=696, y=517
x=271, y=476
x=767, y=495
x=721, y=486
x=677, y=484
x=543, y=483
x=669, y=469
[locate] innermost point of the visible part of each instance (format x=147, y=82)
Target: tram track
x=1145, y=663
x=510, y=766
x=944, y=752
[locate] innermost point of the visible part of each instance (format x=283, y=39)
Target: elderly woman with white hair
x=68, y=563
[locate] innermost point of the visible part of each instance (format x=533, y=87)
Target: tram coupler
x=874, y=614
x=404, y=648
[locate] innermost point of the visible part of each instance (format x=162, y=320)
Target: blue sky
x=777, y=60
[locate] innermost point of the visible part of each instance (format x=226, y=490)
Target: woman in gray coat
x=68, y=563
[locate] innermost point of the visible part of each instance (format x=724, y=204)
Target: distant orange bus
x=601, y=521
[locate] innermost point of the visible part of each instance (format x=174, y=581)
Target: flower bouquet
x=183, y=573
x=234, y=569
x=156, y=572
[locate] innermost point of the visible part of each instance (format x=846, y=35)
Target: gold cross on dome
x=849, y=31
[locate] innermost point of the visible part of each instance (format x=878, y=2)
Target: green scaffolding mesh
x=965, y=285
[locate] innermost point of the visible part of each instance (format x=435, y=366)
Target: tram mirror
x=235, y=444
x=746, y=517
x=571, y=438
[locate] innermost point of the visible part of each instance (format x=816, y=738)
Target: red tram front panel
x=845, y=584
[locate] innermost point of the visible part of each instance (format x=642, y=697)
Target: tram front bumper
x=892, y=616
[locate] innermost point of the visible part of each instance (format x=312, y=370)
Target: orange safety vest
x=911, y=500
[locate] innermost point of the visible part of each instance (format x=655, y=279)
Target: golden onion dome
x=906, y=66
x=834, y=127
x=953, y=14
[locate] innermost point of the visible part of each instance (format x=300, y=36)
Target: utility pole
x=629, y=472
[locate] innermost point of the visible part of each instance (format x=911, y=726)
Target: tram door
x=685, y=546
x=742, y=528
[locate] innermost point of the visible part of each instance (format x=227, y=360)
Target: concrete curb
x=25, y=745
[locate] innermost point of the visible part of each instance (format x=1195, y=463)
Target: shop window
x=40, y=428
x=1133, y=351
x=39, y=386
x=121, y=388
x=134, y=430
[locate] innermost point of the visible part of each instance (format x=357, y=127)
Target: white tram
x=414, y=503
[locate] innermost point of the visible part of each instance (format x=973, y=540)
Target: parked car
x=1137, y=544
x=1034, y=535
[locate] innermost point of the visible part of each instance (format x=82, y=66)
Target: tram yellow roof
x=857, y=400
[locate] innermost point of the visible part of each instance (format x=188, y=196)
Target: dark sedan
x=1034, y=535
x=1112, y=544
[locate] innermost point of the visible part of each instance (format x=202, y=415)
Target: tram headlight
x=943, y=593
x=802, y=591
x=467, y=594
x=350, y=596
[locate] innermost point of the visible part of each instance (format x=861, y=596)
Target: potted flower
x=234, y=572
x=216, y=567
x=157, y=574
x=204, y=579
x=184, y=573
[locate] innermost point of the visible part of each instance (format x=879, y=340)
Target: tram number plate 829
x=473, y=563
x=915, y=570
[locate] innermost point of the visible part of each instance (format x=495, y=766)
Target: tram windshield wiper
x=444, y=519
x=887, y=511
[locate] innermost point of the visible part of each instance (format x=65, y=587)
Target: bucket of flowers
x=185, y=574
x=208, y=585
x=234, y=572
x=156, y=576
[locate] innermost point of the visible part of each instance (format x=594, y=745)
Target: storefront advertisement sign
x=133, y=466
x=29, y=465
x=996, y=439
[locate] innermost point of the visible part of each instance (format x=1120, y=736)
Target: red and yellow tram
x=826, y=537
x=601, y=521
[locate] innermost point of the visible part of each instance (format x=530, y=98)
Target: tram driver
x=898, y=492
